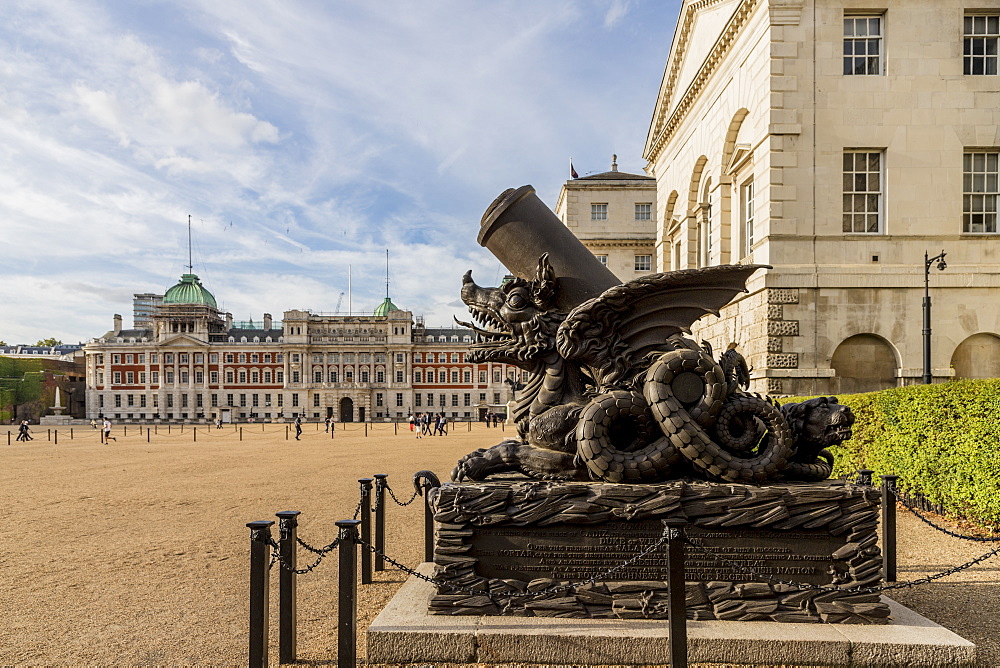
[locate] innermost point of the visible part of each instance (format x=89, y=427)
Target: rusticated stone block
x=783, y=296
x=782, y=327
x=775, y=386
x=774, y=344
x=775, y=312
x=783, y=360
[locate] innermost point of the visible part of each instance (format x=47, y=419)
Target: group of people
x=105, y=430
x=429, y=424
x=22, y=432
x=492, y=419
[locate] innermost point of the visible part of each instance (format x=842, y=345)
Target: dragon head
x=516, y=323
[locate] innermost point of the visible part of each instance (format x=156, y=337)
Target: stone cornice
x=663, y=128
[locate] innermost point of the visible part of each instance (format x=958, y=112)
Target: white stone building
x=837, y=140
x=614, y=215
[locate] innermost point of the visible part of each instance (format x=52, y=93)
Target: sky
x=303, y=138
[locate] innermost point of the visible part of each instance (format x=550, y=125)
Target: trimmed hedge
x=943, y=441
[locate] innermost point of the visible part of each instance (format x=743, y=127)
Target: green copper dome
x=189, y=291
x=385, y=307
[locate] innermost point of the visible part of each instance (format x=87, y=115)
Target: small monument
x=57, y=418
x=625, y=421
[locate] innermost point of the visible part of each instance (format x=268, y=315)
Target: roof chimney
x=118, y=324
x=229, y=321
x=614, y=162
x=267, y=321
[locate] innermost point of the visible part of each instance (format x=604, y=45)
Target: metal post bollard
x=889, y=527
x=71, y=433
x=366, y=529
x=287, y=595
x=676, y=603
x=366, y=430
x=48, y=434
x=865, y=477
x=428, y=523
x=395, y=429
x=380, y=520
x=196, y=434
x=260, y=552
x=147, y=434
x=55, y=440
x=286, y=432
x=241, y=434
x=347, y=603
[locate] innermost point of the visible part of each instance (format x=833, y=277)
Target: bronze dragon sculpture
x=617, y=393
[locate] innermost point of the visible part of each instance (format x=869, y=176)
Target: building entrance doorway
x=329, y=412
x=346, y=410
x=361, y=413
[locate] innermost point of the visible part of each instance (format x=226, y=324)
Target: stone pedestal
x=518, y=537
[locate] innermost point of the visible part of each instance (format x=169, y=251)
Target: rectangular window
x=454, y=400
x=417, y=377
x=156, y=401
x=430, y=400
x=643, y=262
x=467, y=399
x=142, y=377
x=168, y=377
x=229, y=376
x=182, y=358
x=862, y=45
x=399, y=376
x=295, y=400
x=603, y=259
x=154, y=377
x=184, y=376
x=199, y=377
x=243, y=400
x=981, y=34
x=496, y=397
x=399, y=399
x=598, y=211
x=170, y=401
x=746, y=216
x=980, y=190
x=117, y=378
x=644, y=211
x=184, y=401
x=482, y=376
x=295, y=376
x=417, y=397
x=254, y=400
x=454, y=376
x=317, y=376
x=130, y=377
x=443, y=400
x=140, y=358
x=168, y=358
x=230, y=358
x=243, y=377
x=215, y=400
x=281, y=400
x=279, y=376
x=364, y=375
x=862, y=192
x=142, y=401
x=214, y=358
x=128, y=359
x=466, y=376
x=116, y=359
x=378, y=399
x=199, y=401
x=380, y=376
x=496, y=376
x=315, y=401
x=130, y=400
x=154, y=358
x=199, y=358
x=400, y=357
x=229, y=399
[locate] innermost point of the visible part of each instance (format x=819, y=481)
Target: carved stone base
x=518, y=537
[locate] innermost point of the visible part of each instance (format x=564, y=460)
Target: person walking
x=327, y=422
x=425, y=424
x=415, y=425
x=107, y=432
x=93, y=424
x=22, y=432
x=298, y=427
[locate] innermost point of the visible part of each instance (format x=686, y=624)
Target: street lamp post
x=941, y=264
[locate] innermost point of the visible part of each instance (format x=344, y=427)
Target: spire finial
x=614, y=162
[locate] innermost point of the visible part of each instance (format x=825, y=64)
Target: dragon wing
x=616, y=330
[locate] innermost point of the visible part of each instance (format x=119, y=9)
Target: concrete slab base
x=405, y=633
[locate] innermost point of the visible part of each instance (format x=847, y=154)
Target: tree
x=49, y=342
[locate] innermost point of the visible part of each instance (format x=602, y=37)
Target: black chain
x=357, y=510
x=398, y=502
x=322, y=552
x=852, y=590
x=926, y=521
x=668, y=533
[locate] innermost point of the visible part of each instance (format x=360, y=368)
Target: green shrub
x=943, y=441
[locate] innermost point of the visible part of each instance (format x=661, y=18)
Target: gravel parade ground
x=136, y=553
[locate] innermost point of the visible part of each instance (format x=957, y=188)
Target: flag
x=572, y=172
